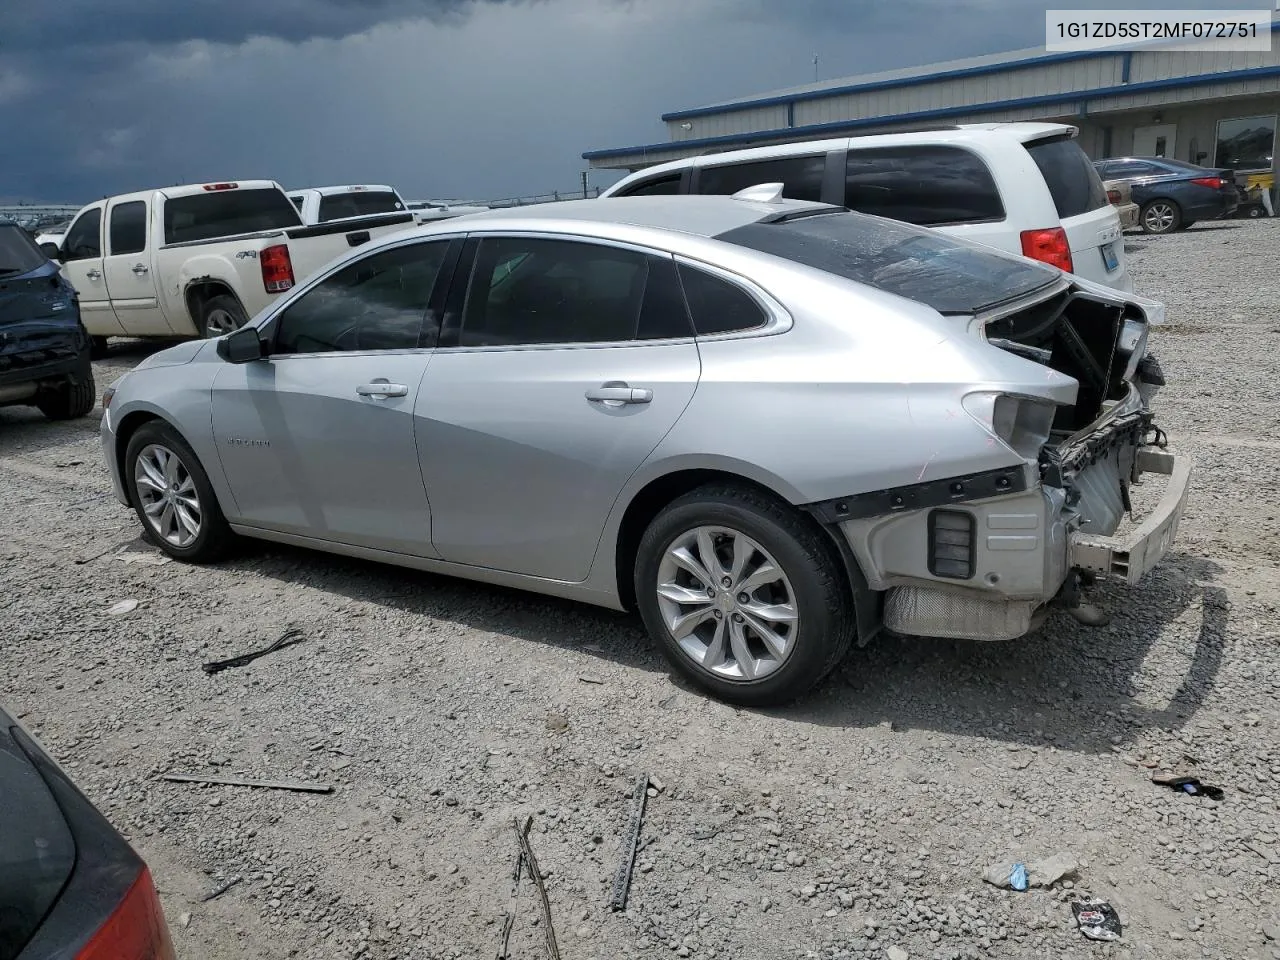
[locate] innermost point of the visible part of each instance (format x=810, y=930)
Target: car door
x=130, y=283
x=562, y=365
x=317, y=438
x=82, y=266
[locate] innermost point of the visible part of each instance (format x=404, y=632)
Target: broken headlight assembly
x=1022, y=424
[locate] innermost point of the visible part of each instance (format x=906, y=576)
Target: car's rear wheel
x=69, y=400
x=744, y=595
x=171, y=494
x=1160, y=216
x=221, y=315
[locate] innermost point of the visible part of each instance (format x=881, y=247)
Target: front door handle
x=93, y=274
x=139, y=269
x=381, y=389
x=619, y=393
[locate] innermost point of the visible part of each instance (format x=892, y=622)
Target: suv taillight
x=1214, y=182
x=135, y=930
x=277, y=268
x=1113, y=196
x=1048, y=246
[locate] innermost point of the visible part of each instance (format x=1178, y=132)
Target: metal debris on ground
x=1189, y=785
x=1097, y=919
x=522, y=833
x=590, y=680
x=219, y=891
x=293, y=785
x=622, y=880
x=287, y=639
x=504, y=949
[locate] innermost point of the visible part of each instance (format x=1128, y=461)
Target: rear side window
x=657, y=187
x=18, y=252
x=801, y=177
x=128, y=228
x=717, y=305
x=925, y=185
x=1074, y=185
x=226, y=213
x=360, y=204
x=84, y=239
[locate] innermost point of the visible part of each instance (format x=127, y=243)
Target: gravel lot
x=856, y=824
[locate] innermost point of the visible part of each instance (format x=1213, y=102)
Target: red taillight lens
x=277, y=268
x=1048, y=246
x=221, y=186
x=1214, y=182
x=135, y=931
x=1113, y=196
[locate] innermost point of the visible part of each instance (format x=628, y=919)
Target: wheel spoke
x=171, y=466
x=761, y=575
x=683, y=595
x=743, y=551
x=741, y=653
x=187, y=486
x=684, y=625
x=707, y=553
x=166, y=523
x=191, y=503
x=154, y=507
x=716, y=649
x=684, y=558
x=186, y=520
x=771, y=612
x=776, y=643
x=152, y=475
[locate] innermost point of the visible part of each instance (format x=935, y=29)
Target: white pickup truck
x=326, y=204
x=199, y=260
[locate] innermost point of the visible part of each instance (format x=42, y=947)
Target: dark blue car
x=44, y=348
x=1173, y=194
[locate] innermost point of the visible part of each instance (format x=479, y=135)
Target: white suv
x=1023, y=187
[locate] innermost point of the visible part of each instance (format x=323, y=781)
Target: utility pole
x=584, y=185
x=815, y=68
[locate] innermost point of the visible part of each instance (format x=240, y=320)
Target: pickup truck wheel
x=70, y=400
x=172, y=496
x=743, y=595
x=222, y=314
x=97, y=348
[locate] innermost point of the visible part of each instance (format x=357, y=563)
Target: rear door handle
x=139, y=269
x=381, y=389
x=619, y=393
x=93, y=274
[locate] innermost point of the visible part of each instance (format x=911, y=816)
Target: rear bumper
x=35, y=370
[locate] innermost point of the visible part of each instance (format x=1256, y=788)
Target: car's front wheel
x=171, y=494
x=744, y=595
x=1160, y=216
x=66, y=401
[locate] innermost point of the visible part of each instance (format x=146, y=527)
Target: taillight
x=277, y=268
x=1214, y=182
x=1048, y=246
x=221, y=186
x=1113, y=196
x=135, y=930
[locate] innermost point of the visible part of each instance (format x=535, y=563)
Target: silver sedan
x=773, y=427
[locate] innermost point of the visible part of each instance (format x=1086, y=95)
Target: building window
x=1246, y=143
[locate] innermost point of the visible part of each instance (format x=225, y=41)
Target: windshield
x=951, y=276
x=364, y=203
x=18, y=252
x=227, y=213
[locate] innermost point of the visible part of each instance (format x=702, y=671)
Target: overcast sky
x=465, y=99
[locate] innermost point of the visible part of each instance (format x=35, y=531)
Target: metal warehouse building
x=1215, y=108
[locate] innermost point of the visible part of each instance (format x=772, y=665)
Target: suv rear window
x=226, y=213
x=1073, y=183
x=18, y=252
x=361, y=203
x=801, y=177
x=952, y=276
x=926, y=185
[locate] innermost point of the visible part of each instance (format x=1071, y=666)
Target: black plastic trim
x=920, y=496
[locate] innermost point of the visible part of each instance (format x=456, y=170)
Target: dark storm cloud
x=50, y=25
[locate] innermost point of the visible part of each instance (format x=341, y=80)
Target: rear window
x=360, y=204
x=925, y=185
x=226, y=213
x=801, y=177
x=18, y=252
x=1073, y=183
x=950, y=275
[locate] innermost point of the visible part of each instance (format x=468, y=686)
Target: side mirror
x=51, y=250
x=241, y=346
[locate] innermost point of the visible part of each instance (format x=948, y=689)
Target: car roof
x=968, y=134
x=346, y=188
x=705, y=216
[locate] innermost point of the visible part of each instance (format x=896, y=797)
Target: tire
x=221, y=315
x=1160, y=216
x=213, y=538
x=98, y=348
x=69, y=400
x=811, y=583
x=1254, y=212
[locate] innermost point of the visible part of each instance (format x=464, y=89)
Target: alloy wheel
x=218, y=322
x=168, y=495
x=727, y=603
x=1159, y=217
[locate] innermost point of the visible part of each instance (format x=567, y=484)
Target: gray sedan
x=773, y=427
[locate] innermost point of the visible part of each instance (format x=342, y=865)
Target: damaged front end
x=982, y=557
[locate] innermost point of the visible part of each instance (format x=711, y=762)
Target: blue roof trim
x=837, y=126
x=735, y=106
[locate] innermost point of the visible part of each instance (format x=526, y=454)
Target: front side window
x=377, y=303
x=657, y=187
x=926, y=185
x=84, y=239
x=128, y=228
x=801, y=177
x=528, y=290
x=1247, y=143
